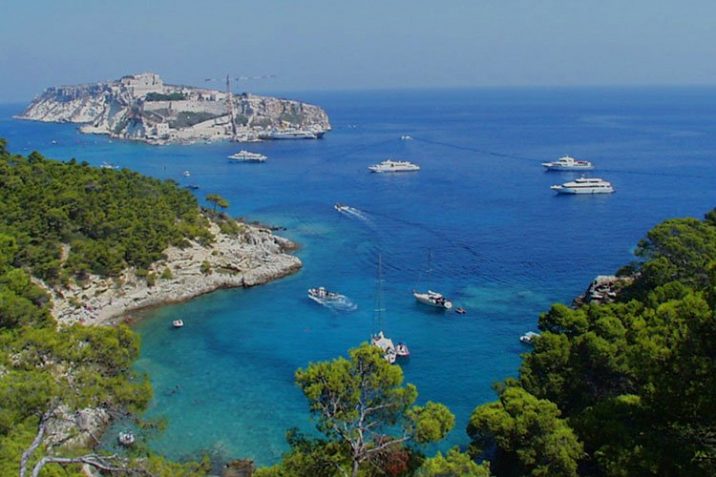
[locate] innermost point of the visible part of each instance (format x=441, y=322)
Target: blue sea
x=503, y=245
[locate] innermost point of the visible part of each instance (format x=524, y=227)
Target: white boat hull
x=429, y=299
x=583, y=190
x=568, y=168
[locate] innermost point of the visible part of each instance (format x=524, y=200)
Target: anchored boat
x=568, y=163
x=584, y=185
x=390, y=165
x=246, y=156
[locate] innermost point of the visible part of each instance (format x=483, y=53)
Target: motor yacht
x=246, y=156
x=584, y=185
x=568, y=163
x=390, y=165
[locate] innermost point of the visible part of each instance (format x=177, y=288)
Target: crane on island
x=229, y=97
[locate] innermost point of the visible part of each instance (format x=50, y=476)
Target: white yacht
x=386, y=345
x=107, y=165
x=433, y=298
x=178, y=323
x=568, y=163
x=341, y=207
x=246, y=156
x=584, y=185
x=390, y=165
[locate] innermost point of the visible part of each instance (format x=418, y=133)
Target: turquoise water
x=503, y=245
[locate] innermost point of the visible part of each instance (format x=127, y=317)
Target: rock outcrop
x=142, y=107
x=253, y=257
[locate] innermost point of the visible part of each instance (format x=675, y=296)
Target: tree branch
x=37, y=441
x=110, y=463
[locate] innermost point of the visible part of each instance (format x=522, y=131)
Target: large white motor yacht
x=390, y=165
x=432, y=298
x=584, y=185
x=247, y=156
x=568, y=163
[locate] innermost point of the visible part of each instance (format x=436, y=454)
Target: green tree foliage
x=110, y=219
x=529, y=437
x=217, y=200
x=636, y=379
x=453, y=464
x=362, y=407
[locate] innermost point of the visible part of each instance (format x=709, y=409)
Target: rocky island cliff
x=142, y=107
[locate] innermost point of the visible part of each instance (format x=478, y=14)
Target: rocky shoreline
x=253, y=257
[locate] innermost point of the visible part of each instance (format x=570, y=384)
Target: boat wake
x=357, y=213
x=336, y=303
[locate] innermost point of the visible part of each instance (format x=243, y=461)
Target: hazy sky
x=321, y=44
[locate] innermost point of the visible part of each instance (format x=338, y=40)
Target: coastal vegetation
x=619, y=389
x=70, y=219
x=55, y=381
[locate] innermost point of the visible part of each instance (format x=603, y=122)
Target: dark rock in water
x=239, y=468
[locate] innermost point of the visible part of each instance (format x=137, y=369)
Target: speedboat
x=126, y=438
x=584, y=185
x=177, y=323
x=432, y=298
x=568, y=163
x=528, y=337
x=386, y=345
x=340, y=207
x=402, y=351
x=322, y=294
x=246, y=156
x=390, y=165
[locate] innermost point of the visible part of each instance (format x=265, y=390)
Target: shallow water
x=503, y=245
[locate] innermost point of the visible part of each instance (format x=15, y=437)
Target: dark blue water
x=503, y=245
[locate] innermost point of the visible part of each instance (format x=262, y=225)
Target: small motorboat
x=126, y=438
x=401, y=350
x=177, y=323
x=321, y=293
x=529, y=337
x=340, y=207
x=460, y=310
x=433, y=298
x=191, y=187
x=186, y=173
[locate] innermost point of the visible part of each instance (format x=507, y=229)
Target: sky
x=366, y=44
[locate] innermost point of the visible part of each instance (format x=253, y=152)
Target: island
x=142, y=107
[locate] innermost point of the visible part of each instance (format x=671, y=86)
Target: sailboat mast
x=379, y=306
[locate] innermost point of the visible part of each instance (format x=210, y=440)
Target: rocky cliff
x=253, y=257
x=142, y=107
